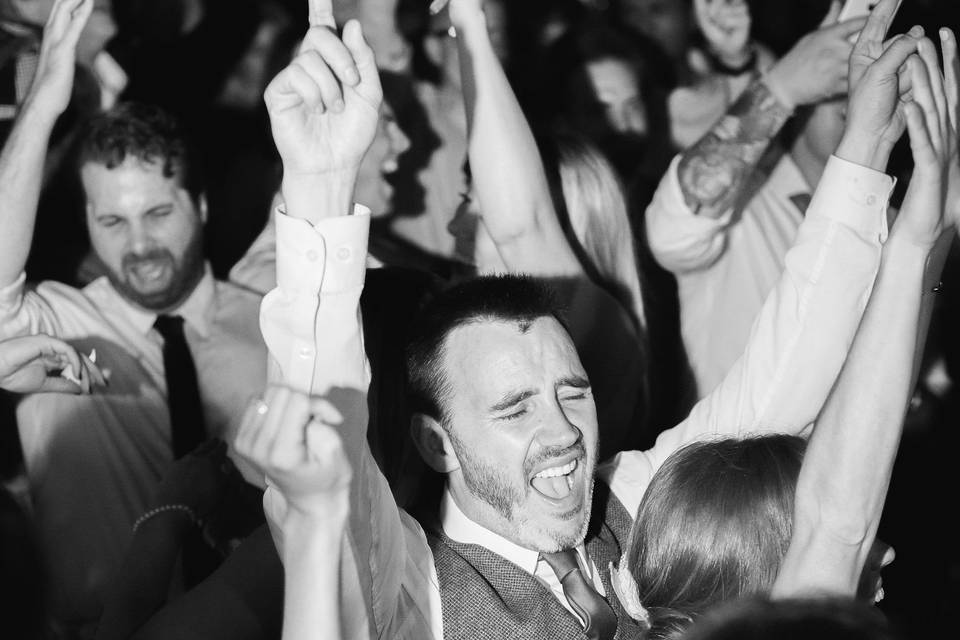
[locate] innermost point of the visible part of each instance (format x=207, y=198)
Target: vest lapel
x=486, y=597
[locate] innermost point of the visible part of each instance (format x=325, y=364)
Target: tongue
x=556, y=488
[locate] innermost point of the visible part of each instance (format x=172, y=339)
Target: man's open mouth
x=556, y=482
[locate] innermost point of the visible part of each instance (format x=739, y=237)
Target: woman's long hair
x=714, y=524
x=590, y=202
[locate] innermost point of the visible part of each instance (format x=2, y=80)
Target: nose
x=138, y=238
x=557, y=430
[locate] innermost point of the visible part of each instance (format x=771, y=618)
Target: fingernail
x=916, y=31
x=943, y=34
x=93, y=355
x=352, y=76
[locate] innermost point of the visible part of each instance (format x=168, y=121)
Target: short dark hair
x=147, y=133
x=505, y=298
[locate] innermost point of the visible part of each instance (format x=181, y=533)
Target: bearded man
x=183, y=350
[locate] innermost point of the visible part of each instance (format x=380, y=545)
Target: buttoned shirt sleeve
x=680, y=240
x=802, y=335
x=311, y=324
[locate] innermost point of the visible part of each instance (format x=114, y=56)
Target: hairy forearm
x=21, y=176
x=714, y=172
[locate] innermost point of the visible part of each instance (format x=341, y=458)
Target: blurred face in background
x=666, y=22
x=382, y=159
x=616, y=87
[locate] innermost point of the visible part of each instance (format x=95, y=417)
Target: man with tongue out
x=524, y=538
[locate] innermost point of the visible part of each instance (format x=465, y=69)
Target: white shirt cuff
x=854, y=195
x=329, y=256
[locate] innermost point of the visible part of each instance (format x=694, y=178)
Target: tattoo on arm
x=714, y=171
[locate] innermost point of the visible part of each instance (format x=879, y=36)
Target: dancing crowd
x=475, y=319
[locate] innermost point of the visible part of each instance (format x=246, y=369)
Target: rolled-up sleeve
x=801, y=337
x=680, y=240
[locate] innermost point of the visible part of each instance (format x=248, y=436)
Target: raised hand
x=290, y=437
x=41, y=364
x=951, y=72
x=875, y=120
x=933, y=143
x=53, y=82
x=324, y=106
x=726, y=26
x=816, y=67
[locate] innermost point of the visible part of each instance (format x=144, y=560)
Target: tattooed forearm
x=714, y=171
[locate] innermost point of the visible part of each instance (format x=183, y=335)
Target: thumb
x=832, y=15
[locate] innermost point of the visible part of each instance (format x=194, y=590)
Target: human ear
x=433, y=443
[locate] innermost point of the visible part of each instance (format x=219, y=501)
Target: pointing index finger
x=321, y=13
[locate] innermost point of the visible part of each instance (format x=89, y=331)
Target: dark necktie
x=183, y=393
x=188, y=431
x=801, y=201
x=600, y=620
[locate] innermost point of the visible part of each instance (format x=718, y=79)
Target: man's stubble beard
x=485, y=483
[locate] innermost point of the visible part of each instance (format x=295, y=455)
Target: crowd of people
x=472, y=319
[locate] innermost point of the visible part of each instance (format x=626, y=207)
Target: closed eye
x=109, y=221
x=519, y=413
x=160, y=212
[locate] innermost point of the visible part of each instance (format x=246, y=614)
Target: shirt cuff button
x=312, y=255
x=344, y=254
x=871, y=201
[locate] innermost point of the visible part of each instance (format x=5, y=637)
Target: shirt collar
x=458, y=527
x=197, y=310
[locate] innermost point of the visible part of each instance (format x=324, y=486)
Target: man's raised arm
x=22, y=160
x=803, y=333
x=324, y=109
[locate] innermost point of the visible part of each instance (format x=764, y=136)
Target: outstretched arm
x=508, y=175
x=324, y=111
x=846, y=471
x=714, y=173
x=688, y=220
x=22, y=159
x=804, y=331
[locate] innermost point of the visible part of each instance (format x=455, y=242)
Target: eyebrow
x=577, y=382
x=512, y=399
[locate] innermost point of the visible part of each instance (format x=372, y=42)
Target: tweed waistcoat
x=485, y=597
